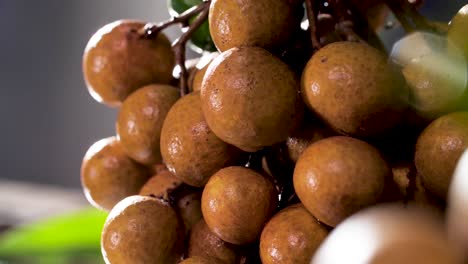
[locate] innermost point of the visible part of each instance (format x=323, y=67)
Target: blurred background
x=48, y=120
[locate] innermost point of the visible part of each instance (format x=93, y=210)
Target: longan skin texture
x=291, y=237
x=142, y=230
x=108, y=175
x=353, y=89
x=160, y=184
x=236, y=203
x=140, y=121
x=204, y=243
x=190, y=150
x=338, y=176
x=247, y=94
x=438, y=149
x=304, y=137
x=188, y=203
x=262, y=23
x=117, y=61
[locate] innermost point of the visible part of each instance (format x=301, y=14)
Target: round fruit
x=108, y=175
x=352, y=87
x=187, y=201
x=436, y=82
x=140, y=121
x=388, y=234
x=142, y=230
x=250, y=98
x=160, y=185
x=189, y=148
x=338, y=176
x=457, y=30
x=263, y=23
x=304, y=137
x=200, y=70
x=438, y=149
x=117, y=61
x=204, y=243
x=291, y=236
x=236, y=203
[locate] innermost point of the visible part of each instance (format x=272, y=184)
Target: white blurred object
x=457, y=212
x=416, y=45
x=22, y=203
x=388, y=234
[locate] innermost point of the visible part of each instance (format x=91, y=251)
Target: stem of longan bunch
x=406, y=12
x=152, y=30
x=312, y=17
x=345, y=24
x=180, y=43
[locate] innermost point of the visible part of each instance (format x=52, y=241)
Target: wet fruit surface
x=236, y=203
x=117, y=61
x=338, y=176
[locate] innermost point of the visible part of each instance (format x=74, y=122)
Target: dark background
x=47, y=118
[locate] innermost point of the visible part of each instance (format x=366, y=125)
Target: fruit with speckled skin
x=291, y=237
x=262, y=23
x=304, y=137
x=117, y=61
x=187, y=201
x=198, y=73
x=190, y=150
x=338, y=176
x=351, y=87
x=160, y=185
x=457, y=30
x=140, y=121
x=108, y=175
x=250, y=98
x=142, y=230
x=236, y=203
x=438, y=149
x=204, y=243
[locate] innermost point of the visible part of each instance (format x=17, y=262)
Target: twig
x=409, y=17
x=151, y=30
x=345, y=24
x=179, y=46
x=312, y=16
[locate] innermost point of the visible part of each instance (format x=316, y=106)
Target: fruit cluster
x=274, y=140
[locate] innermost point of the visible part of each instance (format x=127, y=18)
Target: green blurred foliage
x=201, y=38
x=60, y=239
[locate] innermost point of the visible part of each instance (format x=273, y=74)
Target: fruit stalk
x=179, y=45
x=151, y=30
x=409, y=17
x=312, y=16
x=345, y=23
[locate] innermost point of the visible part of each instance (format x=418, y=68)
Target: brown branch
x=345, y=24
x=312, y=16
x=151, y=30
x=409, y=17
x=179, y=45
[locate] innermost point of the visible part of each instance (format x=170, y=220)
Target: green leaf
x=179, y=6
x=76, y=233
x=201, y=38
